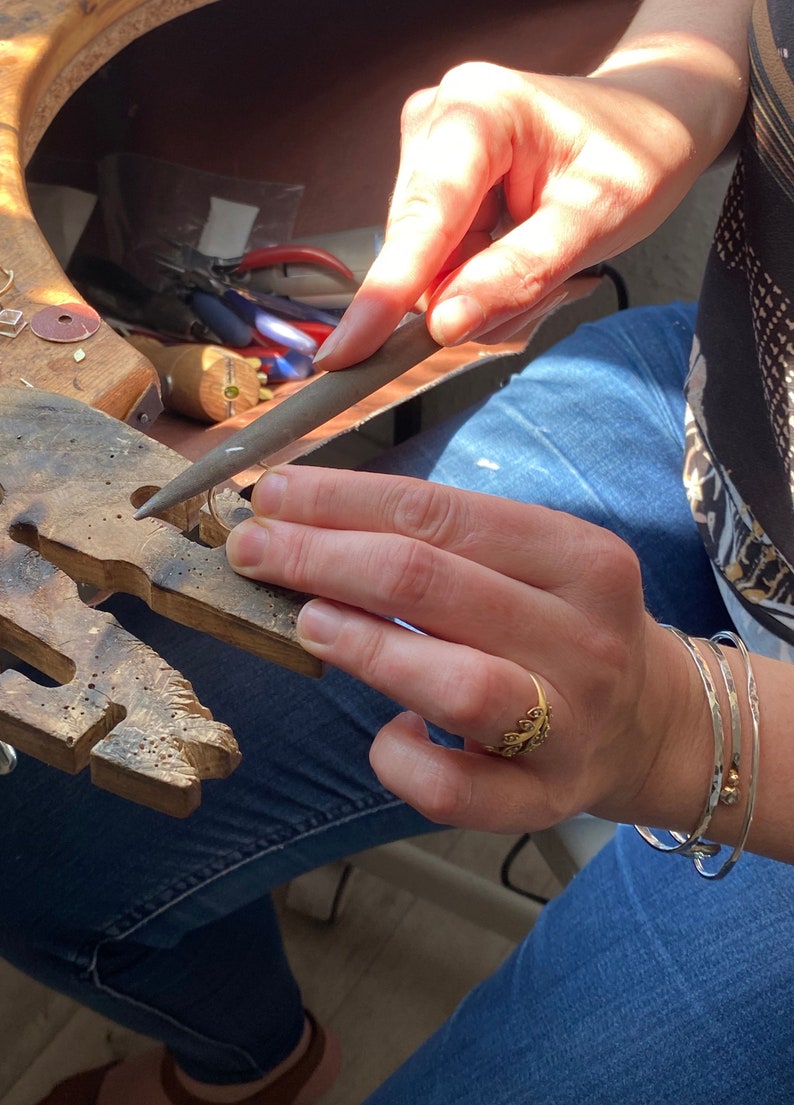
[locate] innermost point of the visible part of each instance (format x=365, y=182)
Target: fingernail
x=246, y=545
x=269, y=494
x=415, y=722
x=454, y=320
x=330, y=344
x=318, y=623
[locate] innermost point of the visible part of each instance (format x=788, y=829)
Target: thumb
x=452, y=786
x=514, y=276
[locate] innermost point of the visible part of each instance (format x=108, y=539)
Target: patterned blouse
x=739, y=467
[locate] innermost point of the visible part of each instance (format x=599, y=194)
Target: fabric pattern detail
x=736, y=543
x=772, y=106
x=772, y=316
x=739, y=461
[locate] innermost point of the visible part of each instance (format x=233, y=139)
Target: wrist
x=729, y=806
x=694, y=71
x=678, y=725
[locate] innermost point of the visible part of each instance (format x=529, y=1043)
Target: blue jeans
x=639, y=984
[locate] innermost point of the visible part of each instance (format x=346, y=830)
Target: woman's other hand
x=498, y=590
x=511, y=183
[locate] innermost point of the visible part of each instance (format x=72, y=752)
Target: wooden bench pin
x=70, y=480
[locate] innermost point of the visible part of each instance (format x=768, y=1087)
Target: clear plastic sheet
x=144, y=201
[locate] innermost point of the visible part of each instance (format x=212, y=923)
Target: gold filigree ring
x=531, y=730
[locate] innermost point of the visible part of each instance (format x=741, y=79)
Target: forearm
x=691, y=57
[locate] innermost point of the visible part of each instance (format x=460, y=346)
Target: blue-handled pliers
x=235, y=318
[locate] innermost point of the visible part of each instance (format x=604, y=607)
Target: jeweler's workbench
x=48, y=49
x=331, y=124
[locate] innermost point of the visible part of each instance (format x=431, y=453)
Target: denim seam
x=93, y=970
x=266, y=849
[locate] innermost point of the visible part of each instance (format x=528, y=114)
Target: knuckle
x=297, y=553
x=474, y=705
x=416, y=108
x=425, y=511
x=314, y=495
x=369, y=647
x=613, y=566
x=609, y=595
x=552, y=805
x=466, y=82
x=410, y=574
x=420, y=212
x=474, y=696
x=524, y=276
x=598, y=563
x=445, y=796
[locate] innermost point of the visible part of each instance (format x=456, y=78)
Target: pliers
x=120, y=295
x=240, y=269
x=262, y=273
x=235, y=318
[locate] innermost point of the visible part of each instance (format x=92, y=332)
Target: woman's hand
x=510, y=183
x=499, y=590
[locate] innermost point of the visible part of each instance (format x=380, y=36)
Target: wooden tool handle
x=205, y=382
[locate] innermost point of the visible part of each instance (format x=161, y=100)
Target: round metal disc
x=65, y=322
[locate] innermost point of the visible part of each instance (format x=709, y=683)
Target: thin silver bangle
x=755, y=751
x=730, y=793
x=693, y=845
x=729, y=790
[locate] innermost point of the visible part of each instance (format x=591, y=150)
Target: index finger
x=446, y=172
x=531, y=544
x=442, y=193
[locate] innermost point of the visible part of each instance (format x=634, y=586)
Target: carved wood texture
x=70, y=478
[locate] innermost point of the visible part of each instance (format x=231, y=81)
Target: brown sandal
x=283, y=1091
x=80, y=1089
x=83, y=1089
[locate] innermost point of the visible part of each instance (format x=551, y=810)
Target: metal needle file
x=302, y=412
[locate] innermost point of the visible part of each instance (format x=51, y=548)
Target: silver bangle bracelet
x=755, y=750
x=724, y=784
x=730, y=793
x=692, y=845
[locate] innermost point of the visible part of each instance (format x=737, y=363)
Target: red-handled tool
x=287, y=254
